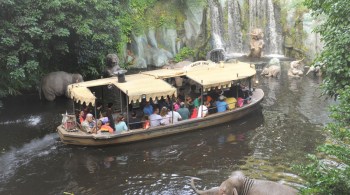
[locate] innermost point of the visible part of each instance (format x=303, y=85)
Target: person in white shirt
x=165, y=116
x=155, y=119
x=202, y=110
x=174, y=116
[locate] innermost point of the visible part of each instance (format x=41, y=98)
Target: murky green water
x=263, y=145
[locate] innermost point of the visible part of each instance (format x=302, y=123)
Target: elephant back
x=55, y=84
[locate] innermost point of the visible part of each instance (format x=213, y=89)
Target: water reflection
x=263, y=145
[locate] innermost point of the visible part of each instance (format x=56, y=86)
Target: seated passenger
x=240, y=102
x=109, y=114
x=243, y=91
x=120, y=127
x=221, y=104
x=166, y=102
x=81, y=117
x=148, y=109
x=197, y=102
x=146, y=123
x=189, y=103
x=231, y=102
x=155, y=118
x=89, y=124
x=203, y=110
x=165, y=116
x=98, y=126
x=174, y=116
x=176, y=105
x=134, y=122
x=105, y=128
x=194, y=113
x=183, y=111
x=208, y=99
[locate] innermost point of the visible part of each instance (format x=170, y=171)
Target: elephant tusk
x=308, y=71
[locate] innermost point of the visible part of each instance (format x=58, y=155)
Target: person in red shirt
x=194, y=113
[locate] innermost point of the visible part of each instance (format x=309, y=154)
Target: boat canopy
x=135, y=87
x=151, y=84
x=221, y=75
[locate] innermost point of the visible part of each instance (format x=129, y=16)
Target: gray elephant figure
x=316, y=69
x=238, y=184
x=273, y=68
x=112, y=65
x=55, y=84
x=271, y=71
x=296, y=68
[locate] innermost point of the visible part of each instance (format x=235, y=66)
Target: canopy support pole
x=73, y=107
x=95, y=114
x=121, y=101
x=202, y=98
x=127, y=109
x=172, y=111
x=250, y=83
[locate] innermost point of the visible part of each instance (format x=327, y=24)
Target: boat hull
x=84, y=139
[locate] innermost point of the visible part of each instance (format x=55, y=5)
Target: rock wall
x=225, y=24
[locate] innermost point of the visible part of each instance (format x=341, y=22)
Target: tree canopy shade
x=39, y=36
x=335, y=32
x=329, y=171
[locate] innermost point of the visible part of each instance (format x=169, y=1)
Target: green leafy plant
x=185, y=52
x=38, y=36
x=328, y=172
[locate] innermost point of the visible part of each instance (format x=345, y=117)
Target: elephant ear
x=76, y=78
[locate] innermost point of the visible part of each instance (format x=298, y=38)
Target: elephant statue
x=296, y=68
x=316, y=69
x=238, y=184
x=273, y=68
x=112, y=65
x=55, y=84
x=256, y=43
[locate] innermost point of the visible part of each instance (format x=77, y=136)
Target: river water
x=264, y=145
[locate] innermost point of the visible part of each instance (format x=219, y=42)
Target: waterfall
x=257, y=14
x=271, y=28
x=216, y=18
x=234, y=27
x=262, y=15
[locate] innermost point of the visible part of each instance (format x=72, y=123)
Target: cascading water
x=274, y=39
x=217, y=29
x=235, y=44
x=262, y=15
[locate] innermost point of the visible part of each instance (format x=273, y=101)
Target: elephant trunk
x=212, y=191
x=300, y=60
x=194, y=187
x=311, y=69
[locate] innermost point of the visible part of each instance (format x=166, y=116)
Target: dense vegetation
x=329, y=171
x=39, y=36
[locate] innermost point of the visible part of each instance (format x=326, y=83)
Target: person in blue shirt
x=221, y=105
x=148, y=109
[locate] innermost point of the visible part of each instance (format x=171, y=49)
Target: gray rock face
x=218, y=24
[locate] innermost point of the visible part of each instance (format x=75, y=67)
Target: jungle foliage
x=328, y=172
x=39, y=36
x=184, y=53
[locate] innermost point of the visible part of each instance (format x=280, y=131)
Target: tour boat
x=153, y=84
